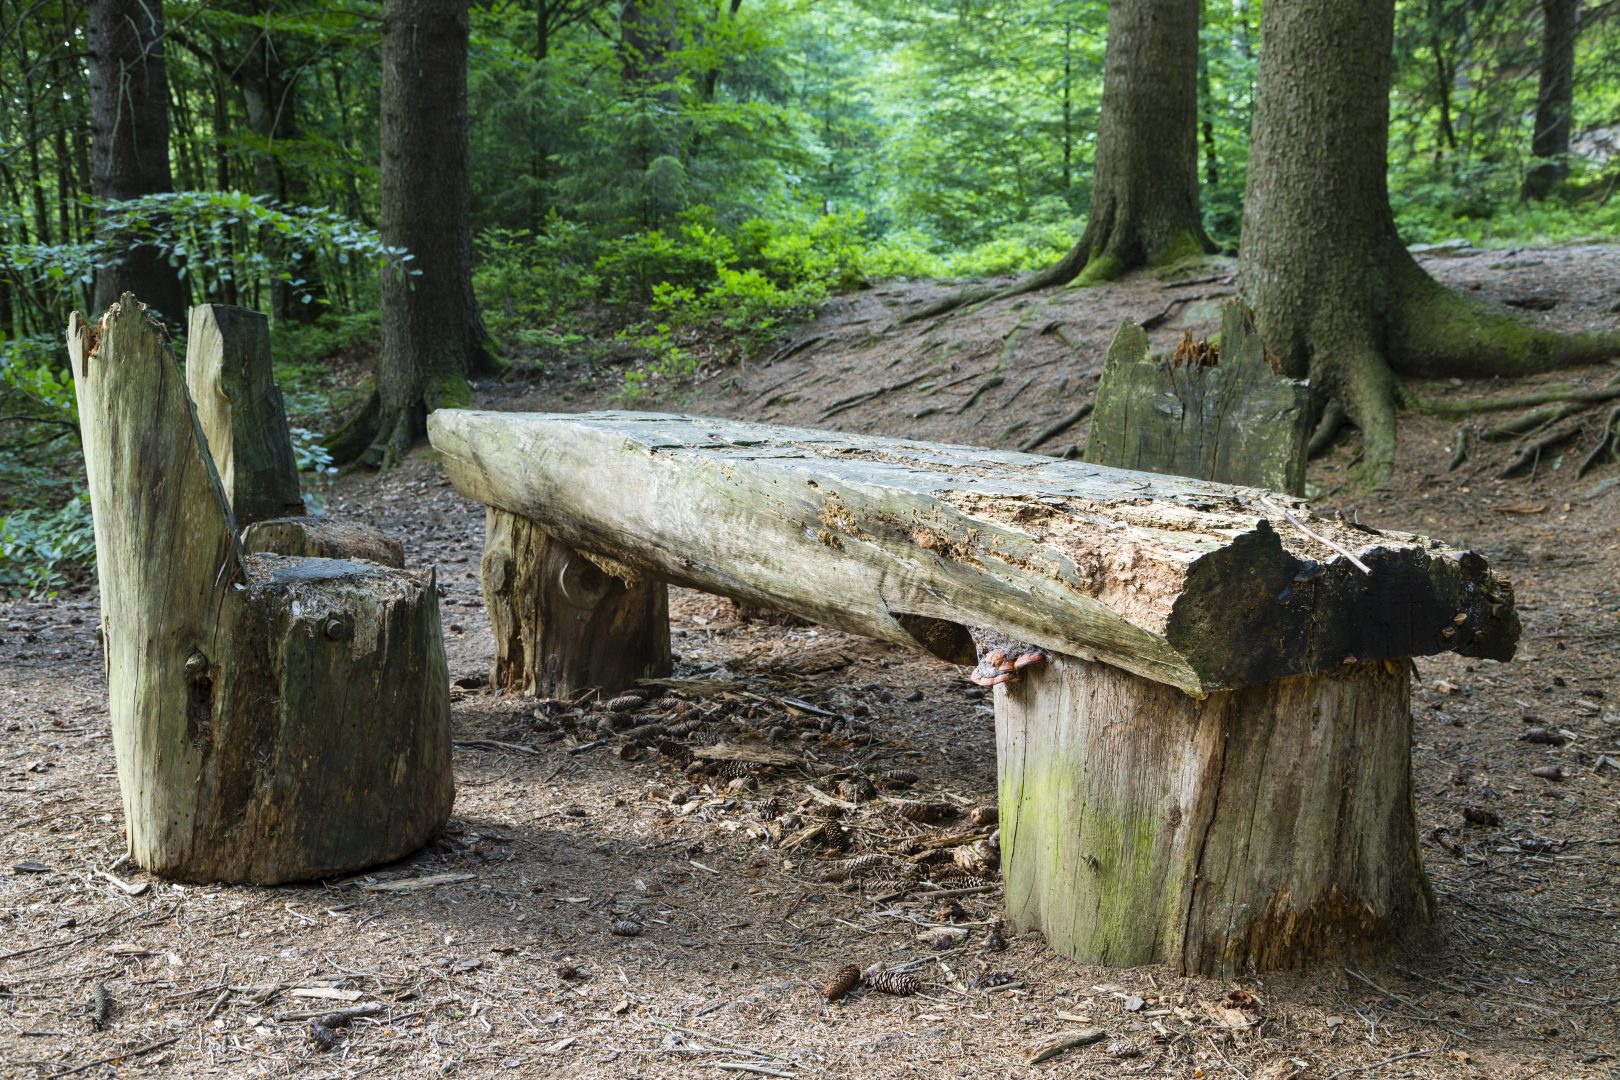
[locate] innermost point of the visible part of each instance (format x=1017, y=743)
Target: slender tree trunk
x=1555, y=101
x=129, y=121
x=1337, y=296
x=1144, y=201
x=432, y=336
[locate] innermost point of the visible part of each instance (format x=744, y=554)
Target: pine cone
x=644, y=733
x=899, y=778
x=742, y=783
x=900, y=983
x=863, y=865
x=993, y=941
x=843, y=981
x=922, y=810
x=886, y=887
x=734, y=770
x=987, y=814
x=769, y=809
x=626, y=703
x=628, y=926
x=676, y=752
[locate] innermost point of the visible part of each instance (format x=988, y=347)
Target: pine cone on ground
x=736, y=770
x=625, y=703
x=886, y=887
x=923, y=810
x=769, y=809
x=843, y=981
x=993, y=939
x=900, y=983
x=970, y=860
x=899, y=778
x=857, y=790
x=986, y=814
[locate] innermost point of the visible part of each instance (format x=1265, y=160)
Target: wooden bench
x=1214, y=769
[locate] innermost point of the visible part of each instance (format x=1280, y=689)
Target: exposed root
x=1460, y=408
x=1608, y=444
x=1442, y=333
x=1333, y=418
x=1530, y=421
x=1367, y=389
x=1530, y=456
x=1061, y=272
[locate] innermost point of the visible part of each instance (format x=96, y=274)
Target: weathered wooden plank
x=1198, y=585
x=1235, y=421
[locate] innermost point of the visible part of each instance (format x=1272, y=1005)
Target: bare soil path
x=495, y=952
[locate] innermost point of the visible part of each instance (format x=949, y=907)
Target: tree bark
x=563, y=623
x=1144, y=195
x=1337, y=296
x=1263, y=828
x=129, y=121
x=273, y=719
x=432, y=336
x=1555, y=97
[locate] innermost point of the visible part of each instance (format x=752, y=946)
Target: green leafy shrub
x=43, y=551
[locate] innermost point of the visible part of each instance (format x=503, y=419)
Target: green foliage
x=42, y=551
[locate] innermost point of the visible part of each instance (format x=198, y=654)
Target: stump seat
x=274, y=719
x=1213, y=771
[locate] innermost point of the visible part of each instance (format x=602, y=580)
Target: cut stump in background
x=1217, y=412
x=561, y=621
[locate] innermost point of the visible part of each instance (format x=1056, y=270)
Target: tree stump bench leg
x=1253, y=829
x=562, y=622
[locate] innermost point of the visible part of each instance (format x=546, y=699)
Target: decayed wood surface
x=322, y=538
x=273, y=719
x=240, y=409
x=1254, y=829
x=1198, y=585
x=561, y=623
x=1236, y=421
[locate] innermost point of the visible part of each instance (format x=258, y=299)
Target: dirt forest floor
x=593, y=911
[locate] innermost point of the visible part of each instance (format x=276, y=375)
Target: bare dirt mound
x=601, y=908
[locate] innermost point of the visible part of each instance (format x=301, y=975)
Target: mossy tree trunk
x=1337, y=296
x=432, y=336
x=1248, y=830
x=1144, y=193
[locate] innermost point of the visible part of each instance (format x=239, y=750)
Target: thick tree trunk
x=563, y=623
x=1262, y=828
x=1555, y=98
x=1144, y=194
x=432, y=336
x=1337, y=296
x=273, y=719
x=129, y=120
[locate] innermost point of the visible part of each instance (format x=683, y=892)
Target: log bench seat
x=1213, y=770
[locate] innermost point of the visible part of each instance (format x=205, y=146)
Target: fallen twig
x=1058, y=427
x=125, y=1056
x=1376, y=1064
x=1054, y=1045
x=1302, y=527
x=984, y=388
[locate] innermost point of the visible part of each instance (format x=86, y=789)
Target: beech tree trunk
x=1555, y=97
x=1337, y=296
x=1254, y=829
x=273, y=719
x=432, y=336
x=129, y=143
x=1144, y=194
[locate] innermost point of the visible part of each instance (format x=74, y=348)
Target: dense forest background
x=680, y=180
